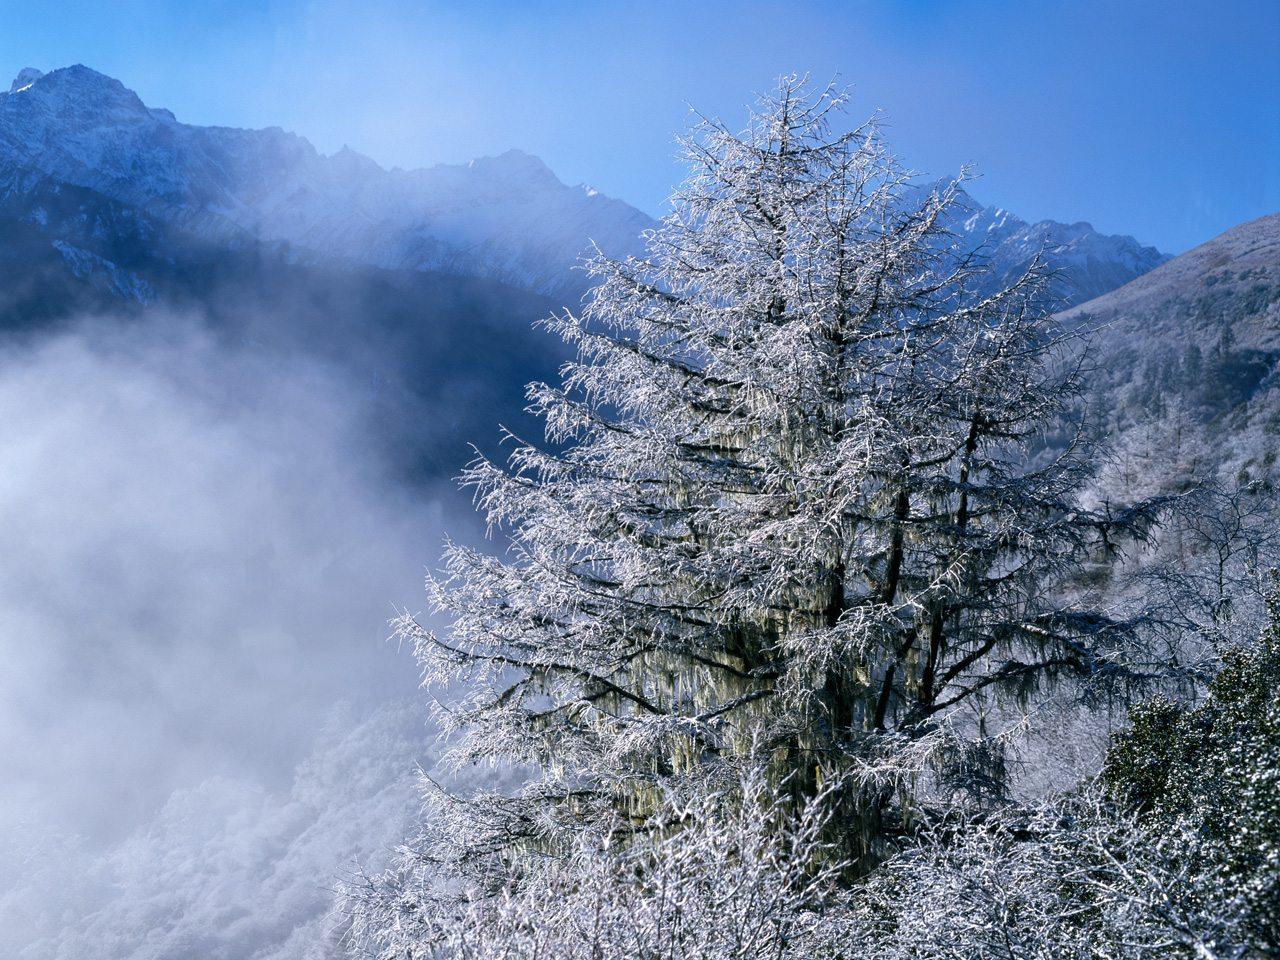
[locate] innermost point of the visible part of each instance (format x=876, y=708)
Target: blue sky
x=1159, y=119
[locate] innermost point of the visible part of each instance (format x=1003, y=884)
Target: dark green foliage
x=1143, y=758
x=1232, y=377
x=1210, y=776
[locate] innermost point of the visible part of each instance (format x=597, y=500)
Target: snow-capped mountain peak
x=506, y=217
x=25, y=78
x=1088, y=263
x=76, y=89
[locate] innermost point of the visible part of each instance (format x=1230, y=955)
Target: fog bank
x=201, y=549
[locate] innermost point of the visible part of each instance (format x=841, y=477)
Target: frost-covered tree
x=1206, y=569
x=1073, y=879
x=737, y=882
x=1209, y=779
x=1173, y=852
x=795, y=511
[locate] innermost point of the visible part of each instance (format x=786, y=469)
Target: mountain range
x=85, y=163
x=108, y=206
x=505, y=217
x=1085, y=263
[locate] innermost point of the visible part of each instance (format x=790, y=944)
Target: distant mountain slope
x=446, y=357
x=1086, y=263
x=1187, y=357
x=1225, y=281
x=506, y=218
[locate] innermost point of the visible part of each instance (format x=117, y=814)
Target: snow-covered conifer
x=795, y=511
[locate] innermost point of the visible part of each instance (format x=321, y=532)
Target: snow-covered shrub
x=1174, y=852
x=731, y=876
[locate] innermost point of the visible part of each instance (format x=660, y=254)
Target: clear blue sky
x=1159, y=119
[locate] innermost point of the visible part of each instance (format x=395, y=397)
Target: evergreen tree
x=794, y=513
x=1208, y=779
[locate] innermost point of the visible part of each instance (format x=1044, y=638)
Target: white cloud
x=201, y=547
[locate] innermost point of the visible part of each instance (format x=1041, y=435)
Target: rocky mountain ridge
x=1087, y=263
x=505, y=218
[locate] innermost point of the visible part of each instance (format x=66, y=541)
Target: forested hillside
x=1186, y=362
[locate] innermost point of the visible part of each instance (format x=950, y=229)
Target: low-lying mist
x=202, y=551
x=203, y=541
